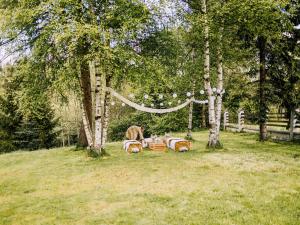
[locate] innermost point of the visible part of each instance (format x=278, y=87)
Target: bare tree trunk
x=220, y=85
x=98, y=107
x=212, y=142
x=85, y=82
x=107, y=103
x=203, y=115
x=87, y=127
x=190, y=126
x=262, y=84
x=292, y=124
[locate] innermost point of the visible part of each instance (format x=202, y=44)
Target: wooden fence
x=279, y=126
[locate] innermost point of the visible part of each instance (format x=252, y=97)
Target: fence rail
x=288, y=128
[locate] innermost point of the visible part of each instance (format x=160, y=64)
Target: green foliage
x=6, y=142
x=38, y=129
x=10, y=117
x=21, y=127
x=153, y=124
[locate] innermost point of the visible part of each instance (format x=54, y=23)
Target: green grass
x=245, y=183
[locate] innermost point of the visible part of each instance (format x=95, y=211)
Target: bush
x=6, y=144
x=153, y=124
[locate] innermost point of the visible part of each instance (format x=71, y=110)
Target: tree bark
x=203, y=116
x=98, y=107
x=220, y=85
x=212, y=142
x=107, y=103
x=262, y=86
x=87, y=127
x=87, y=104
x=292, y=119
x=190, y=125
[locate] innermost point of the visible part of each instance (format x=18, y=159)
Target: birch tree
x=219, y=83
x=212, y=140
x=59, y=32
x=98, y=106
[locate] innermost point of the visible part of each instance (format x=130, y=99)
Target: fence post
x=241, y=120
x=226, y=119
x=293, y=121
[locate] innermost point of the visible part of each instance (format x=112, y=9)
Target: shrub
x=6, y=144
x=153, y=124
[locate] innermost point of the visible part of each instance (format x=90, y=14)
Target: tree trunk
x=87, y=101
x=212, y=142
x=262, y=86
x=87, y=127
x=190, y=126
x=203, y=115
x=220, y=85
x=98, y=107
x=292, y=119
x=107, y=102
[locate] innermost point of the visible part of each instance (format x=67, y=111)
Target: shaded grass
x=246, y=182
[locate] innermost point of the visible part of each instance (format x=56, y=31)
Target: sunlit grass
x=245, y=183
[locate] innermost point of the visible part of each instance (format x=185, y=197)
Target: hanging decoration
x=200, y=102
x=146, y=109
x=153, y=110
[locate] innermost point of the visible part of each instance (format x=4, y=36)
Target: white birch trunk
x=107, y=103
x=107, y=95
x=219, y=85
x=212, y=142
x=190, y=125
x=98, y=107
x=87, y=127
x=292, y=124
x=85, y=120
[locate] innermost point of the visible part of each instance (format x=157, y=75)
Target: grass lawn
x=245, y=183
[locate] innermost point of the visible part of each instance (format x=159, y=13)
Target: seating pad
x=132, y=146
x=178, y=144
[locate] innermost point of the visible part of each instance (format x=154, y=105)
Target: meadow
x=246, y=182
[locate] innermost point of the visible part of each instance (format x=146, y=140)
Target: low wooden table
x=159, y=147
